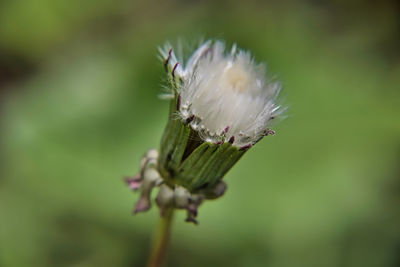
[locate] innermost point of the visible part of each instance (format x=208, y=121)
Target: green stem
x=160, y=242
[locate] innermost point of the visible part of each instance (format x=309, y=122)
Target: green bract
x=188, y=161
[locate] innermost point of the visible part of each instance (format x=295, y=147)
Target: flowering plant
x=221, y=105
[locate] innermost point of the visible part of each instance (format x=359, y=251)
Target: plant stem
x=160, y=242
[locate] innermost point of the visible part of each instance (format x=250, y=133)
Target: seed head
x=227, y=94
x=221, y=105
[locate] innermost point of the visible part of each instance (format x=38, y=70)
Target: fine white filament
x=226, y=96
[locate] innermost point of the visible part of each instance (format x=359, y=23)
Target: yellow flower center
x=235, y=77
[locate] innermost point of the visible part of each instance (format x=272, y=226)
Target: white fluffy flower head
x=221, y=104
x=225, y=95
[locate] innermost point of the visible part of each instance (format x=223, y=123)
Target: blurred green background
x=79, y=83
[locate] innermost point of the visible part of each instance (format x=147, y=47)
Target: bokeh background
x=79, y=83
